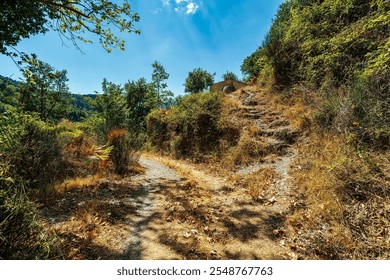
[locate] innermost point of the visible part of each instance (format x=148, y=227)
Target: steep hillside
x=338, y=53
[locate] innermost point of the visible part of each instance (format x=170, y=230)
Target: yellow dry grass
x=78, y=183
x=247, y=150
x=229, y=104
x=341, y=194
x=253, y=130
x=342, y=190
x=314, y=178
x=258, y=183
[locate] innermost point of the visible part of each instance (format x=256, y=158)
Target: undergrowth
x=344, y=198
x=341, y=181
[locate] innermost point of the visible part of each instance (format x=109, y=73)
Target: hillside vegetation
x=338, y=53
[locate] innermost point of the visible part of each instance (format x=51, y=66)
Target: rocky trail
x=179, y=210
x=277, y=132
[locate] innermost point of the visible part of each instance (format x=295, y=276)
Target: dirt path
x=183, y=211
x=219, y=220
x=161, y=215
x=141, y=243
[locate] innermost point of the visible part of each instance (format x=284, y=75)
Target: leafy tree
x=229, y=76
x=141, y=99
x=251, y=67
x=81, y=107
x=198, y=80
x=111, y=105
x=283, y=57
x=22, y=18
x=45, y=90
x=159, y=75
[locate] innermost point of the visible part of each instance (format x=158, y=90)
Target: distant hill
x=80, y=101
x=81, y=107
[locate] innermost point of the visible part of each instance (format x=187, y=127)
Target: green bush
x=192, y=129
x=39, y=159
x=371, y=111
x=339, y=49
x=96, y=125
x=325, y=41
x=157, y=129
x=362, y=111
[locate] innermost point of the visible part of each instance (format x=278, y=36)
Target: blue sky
x=182, y=35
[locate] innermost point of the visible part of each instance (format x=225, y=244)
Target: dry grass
x=224, y=220
x=229, y=104
x=253, y=130
x=78, y=183
x=258, y=184
x=81, y=215
x=94, y=179
x=297, y=106
x=342, y=202
x=247, y=150
x=314, y=175
x=341, y=195
x=251, y=149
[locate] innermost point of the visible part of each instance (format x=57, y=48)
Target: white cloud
x=192, y=8
x=188, y=7
x=157, y=11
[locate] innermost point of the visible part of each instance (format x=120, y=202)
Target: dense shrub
x=362, y=111
x=21, y=235
x=123, y=153
x=31, y=148
x=39, y=160
x=192, y=129
x=157, y=129
x=371, y=111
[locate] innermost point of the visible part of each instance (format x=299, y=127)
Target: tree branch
x=64, y=6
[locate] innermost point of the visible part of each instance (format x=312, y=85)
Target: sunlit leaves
x=19, y=19
x=317, y=41
x=71, y=19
